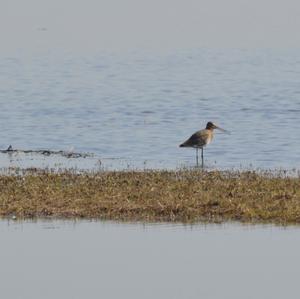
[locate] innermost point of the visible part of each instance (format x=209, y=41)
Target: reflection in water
x=108, y=260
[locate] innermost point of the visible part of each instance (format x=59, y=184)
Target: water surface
x=109, y=260
x=134, y=109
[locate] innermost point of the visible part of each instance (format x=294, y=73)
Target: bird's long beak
x=222, y=130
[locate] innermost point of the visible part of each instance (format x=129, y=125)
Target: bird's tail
x=182, y=145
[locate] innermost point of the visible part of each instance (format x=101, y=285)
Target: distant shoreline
x=186, y=196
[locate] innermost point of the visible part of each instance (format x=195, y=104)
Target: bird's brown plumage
x=199, y=139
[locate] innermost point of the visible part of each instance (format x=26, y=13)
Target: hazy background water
x=133, y=109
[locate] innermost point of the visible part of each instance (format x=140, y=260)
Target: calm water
x=108, y=260
x=133, y=109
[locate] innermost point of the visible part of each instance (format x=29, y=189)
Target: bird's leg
x=202, y=157
x=197, y=160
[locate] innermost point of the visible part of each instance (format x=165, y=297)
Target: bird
x=201, y=138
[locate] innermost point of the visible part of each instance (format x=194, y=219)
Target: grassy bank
x=185, y=196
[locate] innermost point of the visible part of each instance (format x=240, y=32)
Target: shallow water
x=132, y=110
x=109, y=260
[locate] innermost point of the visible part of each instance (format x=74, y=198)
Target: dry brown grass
x=184, y=196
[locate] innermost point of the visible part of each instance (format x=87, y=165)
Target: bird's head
x=212, y=126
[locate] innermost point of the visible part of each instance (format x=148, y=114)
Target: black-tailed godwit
x=201, y=138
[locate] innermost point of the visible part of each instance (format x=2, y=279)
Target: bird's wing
x=198, y=139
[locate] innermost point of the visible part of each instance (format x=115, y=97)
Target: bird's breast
x=209, y=139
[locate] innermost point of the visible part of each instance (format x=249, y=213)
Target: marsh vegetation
x=177, y=196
